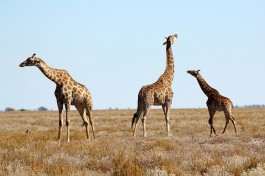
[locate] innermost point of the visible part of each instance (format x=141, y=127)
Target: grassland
x=190, y=151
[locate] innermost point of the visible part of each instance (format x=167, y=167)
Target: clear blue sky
x=115, y=47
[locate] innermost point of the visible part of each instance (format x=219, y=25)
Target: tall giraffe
x=215, y=102
x=68, y=92
x=159, y=93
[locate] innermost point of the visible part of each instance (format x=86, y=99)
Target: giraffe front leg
x=60, y=107
x=67, y=108
x=212, y=128
x=60, y=124
x=166, y=110
x=211, y=112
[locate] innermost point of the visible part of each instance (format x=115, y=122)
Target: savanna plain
x=28, y=144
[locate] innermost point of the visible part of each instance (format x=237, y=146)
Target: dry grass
x=190, y=151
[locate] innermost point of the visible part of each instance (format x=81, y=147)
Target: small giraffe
x=159, y=93
x=215, y=102
x=68, y=92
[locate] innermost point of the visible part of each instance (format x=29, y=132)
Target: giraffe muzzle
x=22, y=64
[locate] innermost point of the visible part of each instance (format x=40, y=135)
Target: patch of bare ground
x=28, y=144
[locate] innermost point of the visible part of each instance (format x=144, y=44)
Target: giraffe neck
x=207, y=90
x=49, y=72
x=170, y=63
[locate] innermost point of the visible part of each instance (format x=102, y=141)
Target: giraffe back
x=219, y=103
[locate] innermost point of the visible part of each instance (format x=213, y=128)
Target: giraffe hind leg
x=145, y=115
x=226, y=123
x=229, y=116
x=81, y=110
x=234, y=123
x=135, y=121
x=91, y=120
x=144, y=125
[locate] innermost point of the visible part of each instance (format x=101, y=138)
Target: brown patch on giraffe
x=64, y=78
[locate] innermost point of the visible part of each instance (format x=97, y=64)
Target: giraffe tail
x=135, y=116
x=133, y=119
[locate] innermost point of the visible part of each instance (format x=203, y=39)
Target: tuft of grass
x=163, y=144
x=124, y=165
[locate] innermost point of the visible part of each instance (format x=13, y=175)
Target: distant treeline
x=251, y=106
x=8, y=109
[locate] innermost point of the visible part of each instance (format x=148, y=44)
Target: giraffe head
x=194, y=73
x=31, y=61
x=171, y=39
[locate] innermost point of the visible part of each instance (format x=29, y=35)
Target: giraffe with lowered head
x=159, y=93
x=68, y=92
x=215, y=102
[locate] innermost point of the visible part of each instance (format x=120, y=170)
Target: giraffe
x=215, y=102
x=68, y=92
x=159, y=93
